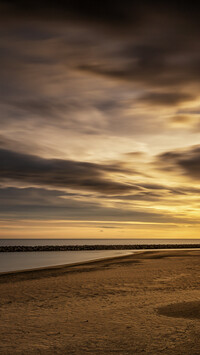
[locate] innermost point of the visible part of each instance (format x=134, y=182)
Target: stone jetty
x=25, y=248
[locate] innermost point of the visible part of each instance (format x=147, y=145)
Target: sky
x=99, y=119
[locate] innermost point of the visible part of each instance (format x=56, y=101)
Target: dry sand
x=147, y=303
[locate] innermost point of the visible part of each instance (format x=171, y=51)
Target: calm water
x=23, y=260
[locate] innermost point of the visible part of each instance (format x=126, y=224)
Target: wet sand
x=146, y=303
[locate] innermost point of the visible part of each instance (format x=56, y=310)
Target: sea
x=10, y=262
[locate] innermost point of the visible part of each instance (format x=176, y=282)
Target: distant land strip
x=25, y=248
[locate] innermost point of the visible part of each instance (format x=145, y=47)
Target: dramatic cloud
x=62, y=173
x=30, y=203
x=168, y=98
x=100, y=112
x=186, y=160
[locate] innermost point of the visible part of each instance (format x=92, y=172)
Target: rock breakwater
x=25, y=248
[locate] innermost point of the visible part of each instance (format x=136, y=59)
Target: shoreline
x=68, y=267
x=61, y=266
x=92, y=261
x=85, y=262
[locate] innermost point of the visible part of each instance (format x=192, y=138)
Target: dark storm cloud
x=34, y=203
x=187, y=161
x=160, y=49
x=167, y=98
x=106, y=12
x=152, y=70
x=154, y=45
x=117, y=12
x=12, y=196
x=153, y=34
x=62, y=173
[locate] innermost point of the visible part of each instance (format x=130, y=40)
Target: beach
x=145, y=303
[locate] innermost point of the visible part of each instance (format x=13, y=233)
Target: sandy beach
x=145, y=303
